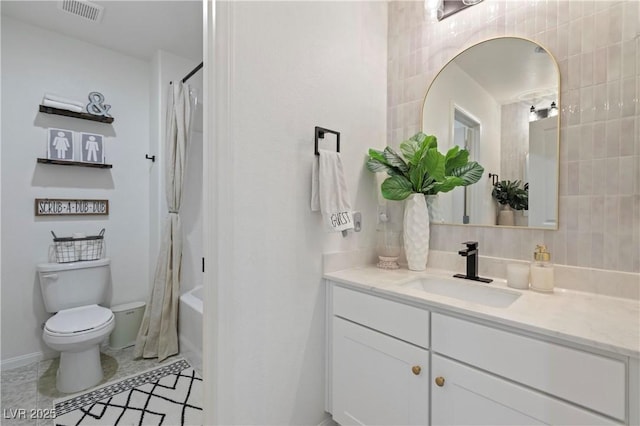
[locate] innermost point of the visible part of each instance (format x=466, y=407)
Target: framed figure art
x=60, y=145
x=91, y=148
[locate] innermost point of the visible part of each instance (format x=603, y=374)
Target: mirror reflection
x=499, y=99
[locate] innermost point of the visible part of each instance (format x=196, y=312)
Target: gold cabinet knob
x=440, y=381
x=416, y=369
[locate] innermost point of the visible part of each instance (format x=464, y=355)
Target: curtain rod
x=193, y=71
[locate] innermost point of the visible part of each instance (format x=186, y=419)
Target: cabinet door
x=377, y=379
x=472, y=397
x=583, y=378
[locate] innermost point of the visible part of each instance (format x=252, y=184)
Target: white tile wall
x=597, y=46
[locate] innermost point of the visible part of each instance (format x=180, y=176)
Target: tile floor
x=33, y=387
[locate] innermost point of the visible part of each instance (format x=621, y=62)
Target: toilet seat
x=80, y=320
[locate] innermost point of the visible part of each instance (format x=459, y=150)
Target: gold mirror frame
x=485, y=178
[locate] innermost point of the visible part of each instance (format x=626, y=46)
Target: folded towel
x=61, y=99
x=62, y=105
x=329, y=192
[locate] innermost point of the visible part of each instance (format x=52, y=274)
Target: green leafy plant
x=509, y=192
x=423, y=169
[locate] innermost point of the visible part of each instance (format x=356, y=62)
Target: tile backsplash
x=597, y=46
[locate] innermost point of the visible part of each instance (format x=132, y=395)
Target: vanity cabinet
x=585, y=379
x=377, y=377
x=465, y=395
x=507, y=378
x=393, y=363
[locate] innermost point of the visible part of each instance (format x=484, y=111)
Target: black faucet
x=471, y=253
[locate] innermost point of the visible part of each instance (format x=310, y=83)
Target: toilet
x=73, y=291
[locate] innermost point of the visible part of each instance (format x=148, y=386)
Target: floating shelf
x=82, y=115
x=74, y=163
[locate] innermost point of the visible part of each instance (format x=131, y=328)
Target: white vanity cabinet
x=465, y=395
x=527, y=377
x=392, y=363
x=378, y=378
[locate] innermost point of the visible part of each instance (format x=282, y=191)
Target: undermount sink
x=468, y=291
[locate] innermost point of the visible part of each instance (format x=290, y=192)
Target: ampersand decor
x=96, y=106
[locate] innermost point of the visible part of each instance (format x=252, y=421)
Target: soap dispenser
x=542, y=270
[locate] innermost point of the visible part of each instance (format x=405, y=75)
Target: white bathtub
x=190, y=327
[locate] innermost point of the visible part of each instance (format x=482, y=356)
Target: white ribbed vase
x=416, y=232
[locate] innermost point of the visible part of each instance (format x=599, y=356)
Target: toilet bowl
x=73, y=291
x=77, y=333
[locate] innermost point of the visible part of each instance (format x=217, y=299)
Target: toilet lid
x=76, y=320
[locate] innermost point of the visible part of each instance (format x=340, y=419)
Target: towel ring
x=319, y=134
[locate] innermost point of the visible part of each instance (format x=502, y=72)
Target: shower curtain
x=158, y=334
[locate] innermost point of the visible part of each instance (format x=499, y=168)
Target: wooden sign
x=63, y=207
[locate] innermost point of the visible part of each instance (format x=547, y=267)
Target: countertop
x=602, y=322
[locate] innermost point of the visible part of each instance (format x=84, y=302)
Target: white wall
x=0, y=194
x=514, y=141
x=437, y=120
x=283, y=68
x=35, y=61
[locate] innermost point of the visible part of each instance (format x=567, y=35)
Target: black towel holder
x=320, y=131
x=494, y=178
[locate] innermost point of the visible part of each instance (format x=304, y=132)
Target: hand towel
x=329, y=192
x=61, y=105
x=61, y=99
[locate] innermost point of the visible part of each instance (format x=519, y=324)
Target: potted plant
x=423, y=171
x=510, y=195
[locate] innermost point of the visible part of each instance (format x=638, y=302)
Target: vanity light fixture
x=553, y=110
x=441, y=9
x=533, y=115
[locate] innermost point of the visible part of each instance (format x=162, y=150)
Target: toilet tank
x=69, y=285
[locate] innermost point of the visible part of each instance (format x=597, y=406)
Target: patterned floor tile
x=171, y=394
x=33, y=387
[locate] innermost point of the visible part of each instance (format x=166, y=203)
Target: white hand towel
x=61, y=99
x=61, y=105
x=329, y=192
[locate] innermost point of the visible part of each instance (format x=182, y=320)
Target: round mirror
x=499, y=99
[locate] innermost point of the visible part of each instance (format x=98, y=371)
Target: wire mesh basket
x=70, y=249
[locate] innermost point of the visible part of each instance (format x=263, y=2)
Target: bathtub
x=190, y=327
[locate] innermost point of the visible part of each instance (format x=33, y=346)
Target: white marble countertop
x=602, y=322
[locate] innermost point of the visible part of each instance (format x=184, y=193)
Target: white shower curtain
x=158, y=334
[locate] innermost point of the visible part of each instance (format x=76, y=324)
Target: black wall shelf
x=82, y=115
x=74, y=163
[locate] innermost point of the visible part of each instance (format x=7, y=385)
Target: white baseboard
x=22, y=360
x=328, y=422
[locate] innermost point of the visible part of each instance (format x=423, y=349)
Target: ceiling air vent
x=82, y=8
